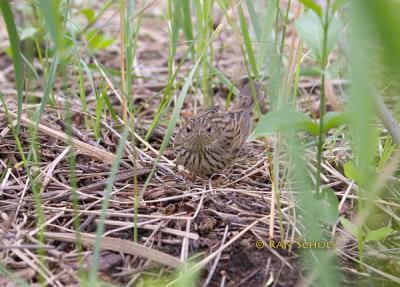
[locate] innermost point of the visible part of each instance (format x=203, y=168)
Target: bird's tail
x=247, y=96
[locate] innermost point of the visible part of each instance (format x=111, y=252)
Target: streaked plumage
x=210, y=141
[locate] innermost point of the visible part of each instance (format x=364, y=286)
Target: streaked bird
x=210, y=142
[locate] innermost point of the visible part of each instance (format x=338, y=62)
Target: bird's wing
x=233, y=129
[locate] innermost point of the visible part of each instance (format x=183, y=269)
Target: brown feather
x=210, y=141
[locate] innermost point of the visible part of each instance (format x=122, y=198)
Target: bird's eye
x=209, y=129
x=188, y=129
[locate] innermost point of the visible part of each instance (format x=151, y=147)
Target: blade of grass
x=99, y=111
x=89, y=76
x=254, y=19
x=82, y=95
x=73, y=182
x=16, y=54
x=265, y=50
x=124, y=26
x=322, y=106
x=47, y=90
x=209, y=58
x=173, y=33
x=132, y=39
x=187, y=24
x=52, y=18
x=104, y=206
x=13, y=130
x=247, y=42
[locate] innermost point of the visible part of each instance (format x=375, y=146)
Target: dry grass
x=214, y=223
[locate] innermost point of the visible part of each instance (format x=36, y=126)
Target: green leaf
x=350, y=171
x=378, y=234
x=350, y=227
x=335, y=119
x=310, y=72
x=328, y=206
x=309, y=26
x=98, y=40
x=338, y=4
x=334, y=29
x=313, y=6
x=285, y=120
x=89, y=14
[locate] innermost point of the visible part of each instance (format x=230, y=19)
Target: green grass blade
x=254, y=18
x=175, y=19
x=82, y=95
x=247, y=42
x=89, y=76
x=94, y=266
x=52, y=18
x=48, y=89
x=265, y=50
x=30, y=66
x=16, y=53
x=187, y=24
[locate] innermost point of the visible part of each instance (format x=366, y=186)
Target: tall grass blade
x=254, y=19
x=187, y=25
x=104, y=206
x=247, y=42
x=48, y=89
x=50, y=11
x=266, y=50
x=16, y=54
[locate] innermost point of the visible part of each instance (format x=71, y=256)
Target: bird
x=209, y=142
